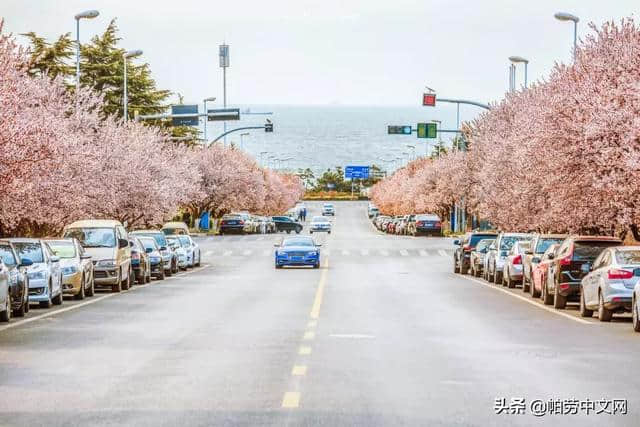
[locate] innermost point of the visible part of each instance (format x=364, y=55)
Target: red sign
x=429, y=99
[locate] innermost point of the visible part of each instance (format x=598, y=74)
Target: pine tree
x=52, y=59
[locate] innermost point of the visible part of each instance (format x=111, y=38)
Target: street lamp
x=563, y=16
x=519, y=59
x=206, y=118
x=125, y=100
x=242, y=140
x=87, y=14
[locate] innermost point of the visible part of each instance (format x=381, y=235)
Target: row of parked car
x=409, y=225
x=245, y=223
x=597, y=272
x=90, y=254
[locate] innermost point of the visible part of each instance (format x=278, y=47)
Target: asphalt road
x=382, y=334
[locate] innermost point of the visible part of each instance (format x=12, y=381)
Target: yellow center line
x=291, y=399
x=317, y=301
x=304, y=350
x=299, y=370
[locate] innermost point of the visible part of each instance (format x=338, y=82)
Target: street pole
x=88, y=14
x=519, y=59
x=206, y=117
x=125, y=100
x=223, y=53
x=563, y=16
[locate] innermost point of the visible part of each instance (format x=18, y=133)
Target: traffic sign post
x=427, y=130
x=184, y=109
x=399, y=130
x=429, y=99
x=352, y=172
x=223, y=114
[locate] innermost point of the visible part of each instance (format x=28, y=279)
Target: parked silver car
x=530, y=259
x=45, y=275
x=512, y=273
x=635, y=307
x=477, y=256
x=498, y=253
x=609, y=286
x=193, y=250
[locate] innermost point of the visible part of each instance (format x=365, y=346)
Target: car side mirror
x=85, y=256
x=550, y=256
x=55, y=259
x=163, y=248
x=276, y=245
x=123, y=243
x=25, y=262
x=148, y=250
x=456, y=242
x=319, y=245
x=130, y=244
x=528, y=252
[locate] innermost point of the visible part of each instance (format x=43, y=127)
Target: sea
x=323, y=137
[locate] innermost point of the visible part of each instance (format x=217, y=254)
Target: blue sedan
x=297, y=251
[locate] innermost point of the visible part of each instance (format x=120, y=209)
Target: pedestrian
x=304, y=214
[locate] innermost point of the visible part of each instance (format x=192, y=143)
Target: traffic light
x=268, y=127
x=427, y=130
x=399, y=130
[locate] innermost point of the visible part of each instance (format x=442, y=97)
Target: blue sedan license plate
x=297, y=258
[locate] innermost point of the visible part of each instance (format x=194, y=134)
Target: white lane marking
x=529, y=301
x=443, y=253
x=227, y=253
x=364, y=252
x=384, y=252
x=208, y=253
x=354, y=336
x=94, y=300
x=423, y=252
x=404, y=252
x=260, y=239
x=247, y=252
x=345, y=252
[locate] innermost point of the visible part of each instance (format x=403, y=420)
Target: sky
x=330, y=52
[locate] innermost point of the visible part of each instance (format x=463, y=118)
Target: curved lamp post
x=87, y=14
x=125, y=100
x=517, y=60
x=564, y=16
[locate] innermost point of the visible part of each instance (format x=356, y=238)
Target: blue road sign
x=185, y=109
x=361, y=172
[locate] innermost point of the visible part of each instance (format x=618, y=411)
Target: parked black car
x=232, y=223
x=462, y=254
x=284, y=223
x=571, y=263
x=427, y=224
x=18, y=278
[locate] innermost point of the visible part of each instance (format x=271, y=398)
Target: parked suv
x=571, y=263
x=169, y=257
x=498, y=253
x=108, y=244
x=284, y=223
x=462, y=254
x=539, y=245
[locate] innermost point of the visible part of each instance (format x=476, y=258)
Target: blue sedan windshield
x=298, y=242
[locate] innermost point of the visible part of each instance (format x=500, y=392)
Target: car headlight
x=36, y=275
x=155, y=259
x=69, y=270
x=107, y=263
x=314, y=253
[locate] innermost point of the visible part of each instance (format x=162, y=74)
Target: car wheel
x=525, y=284
x=584, y=311
x=118, y=286
x=92, y=289
x=5, y=315
x=20, y=312
x=455, y=265
x=497, y=276
x=533, y=291
x=310, y=232
x=127, y=284
x=161, y=275
x=546, y=298
x=278, y=266
x=80, y=295
x=26, y=302
x=635, y=315
x=604, y=314
x=316, y=265
x=47, y=303
x=559, y=301
x=199, y=259
x=510, y=283
x=298, y=230
x=174, y=267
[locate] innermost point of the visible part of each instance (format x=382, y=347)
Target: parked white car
x=192, y=249
x=45, y=274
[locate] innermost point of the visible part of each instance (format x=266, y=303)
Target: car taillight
x=241, y=222
x=517, y=260
x=566, y=260
x=420, y=223
x=467, y=247
x=620, y=274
